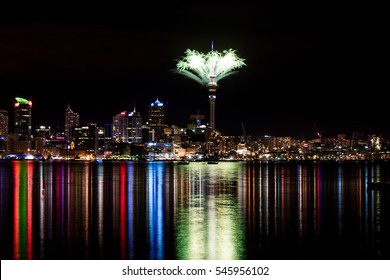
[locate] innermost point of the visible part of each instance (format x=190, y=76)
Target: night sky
x=308, y=65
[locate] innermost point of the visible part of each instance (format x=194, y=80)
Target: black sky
x=307, y=63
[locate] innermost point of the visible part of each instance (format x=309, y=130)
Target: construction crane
x=243, y=137
x=318, y=133
x=243, y=130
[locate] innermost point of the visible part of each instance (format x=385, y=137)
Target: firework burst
x=207, y=69
x=210, y=67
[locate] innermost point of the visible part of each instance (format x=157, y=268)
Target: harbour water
x=167, y=211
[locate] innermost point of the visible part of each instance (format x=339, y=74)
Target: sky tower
x=212, y=87
x=208, y=69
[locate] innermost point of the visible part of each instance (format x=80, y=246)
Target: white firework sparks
x=211, y=67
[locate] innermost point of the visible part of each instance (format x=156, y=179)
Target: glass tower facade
x=71, y=120
x=22, y=119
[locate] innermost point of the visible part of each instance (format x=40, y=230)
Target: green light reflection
x=209, y=220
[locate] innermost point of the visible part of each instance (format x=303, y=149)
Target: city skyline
x=63, y=127
x=307, y=64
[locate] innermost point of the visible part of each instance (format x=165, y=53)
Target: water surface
x=162, y=210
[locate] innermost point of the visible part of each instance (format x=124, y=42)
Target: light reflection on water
x=161, y=210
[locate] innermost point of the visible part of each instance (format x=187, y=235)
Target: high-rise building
x=86, y=138
x=156, y=113
x=135, y=127
x=42, y=134
x=71, y=120
x=102, y=141
x=3, y=131
x=19, y=141
x=120, y=124
x=22, y=119
x=156, y=121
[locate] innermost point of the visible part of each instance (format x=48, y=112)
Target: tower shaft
x=212, y=87
x=212, y=98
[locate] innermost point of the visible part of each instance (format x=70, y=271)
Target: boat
x=183, y=162
x=212, y=162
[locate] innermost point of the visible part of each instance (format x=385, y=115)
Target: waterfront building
x=120, y=125
x=135, y=127
x=22, y=118
x=86, y=138
x=3, y=131
x=282, y=143
x=20, y=140
x=42, y=134
x=71, y=119
x=102, y=141
x=156, y=121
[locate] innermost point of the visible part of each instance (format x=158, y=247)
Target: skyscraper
x=19, y=141
x=22, y=119
x=71, y=120
x=135, y=127
x=156, y=120
x=156, y=113
x=86, y=138
x=120, y=124
x=3, y=130
x=42, y=134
